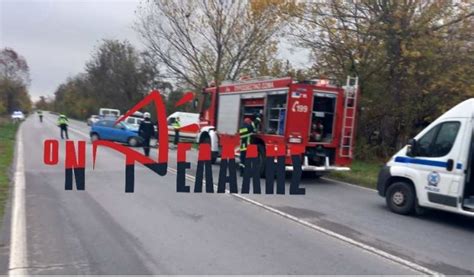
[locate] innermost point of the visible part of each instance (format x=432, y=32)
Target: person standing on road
x=176, y=126
x=40, y=114
x=63, y=123
x=245, y=132
x=146, y=132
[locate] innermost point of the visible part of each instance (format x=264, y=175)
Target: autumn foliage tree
x=14, y=80
x=414, y=60
x=116, y=76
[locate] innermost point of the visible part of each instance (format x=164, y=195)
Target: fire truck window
x=322, y=122
x=275, y=114
x=204, y=101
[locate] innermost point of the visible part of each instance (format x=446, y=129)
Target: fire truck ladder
x=348, y=120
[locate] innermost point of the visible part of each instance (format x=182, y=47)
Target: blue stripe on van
x=408, y=160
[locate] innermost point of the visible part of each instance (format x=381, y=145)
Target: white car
x=18, y=115
x=92, y=120
x=134, y=121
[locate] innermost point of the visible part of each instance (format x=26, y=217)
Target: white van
x=435, y=169
x=186, y=119
x=106, y=112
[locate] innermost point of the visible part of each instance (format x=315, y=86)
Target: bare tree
x=209, y=40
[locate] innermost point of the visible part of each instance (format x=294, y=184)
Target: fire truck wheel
x=401, y=198
x=261, y=159
x=312, y=174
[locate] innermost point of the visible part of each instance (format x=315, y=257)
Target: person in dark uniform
x=246, y=131
x=257, y=122
x=146, y=132
x=40, y=114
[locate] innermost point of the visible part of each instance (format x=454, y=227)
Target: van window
x=171, y=120
x=439, y=140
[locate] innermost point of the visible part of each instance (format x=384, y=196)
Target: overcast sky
x=57, y=37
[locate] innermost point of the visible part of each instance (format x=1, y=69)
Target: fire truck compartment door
x=228, y=114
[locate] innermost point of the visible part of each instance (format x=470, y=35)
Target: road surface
x=334, y=229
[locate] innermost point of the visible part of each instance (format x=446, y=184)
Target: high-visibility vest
x=245, y=135
x=176, y=124
x=62, y=121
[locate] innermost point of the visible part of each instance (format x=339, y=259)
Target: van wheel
x=401, y=198
x=133, y=142
x=205, y=139
x=94, y=137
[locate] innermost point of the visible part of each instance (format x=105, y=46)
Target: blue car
x=122, y=132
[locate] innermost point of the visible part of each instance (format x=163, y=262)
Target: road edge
x=18, y=256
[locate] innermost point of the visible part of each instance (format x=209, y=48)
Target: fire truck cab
x=314, y=114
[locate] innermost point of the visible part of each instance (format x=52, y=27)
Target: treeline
x=116, y=76
x=413, y=58
x=14, y=81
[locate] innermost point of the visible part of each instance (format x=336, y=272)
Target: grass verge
x=363, y=173
x=7, y=146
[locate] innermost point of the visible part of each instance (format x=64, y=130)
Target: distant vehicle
x=92, y=120
x=186, y=119
x=18, y=115
x=106, y=112
x=435, y=169
x=134, y=121
x=122, y=132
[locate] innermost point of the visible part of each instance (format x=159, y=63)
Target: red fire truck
x=315, y=114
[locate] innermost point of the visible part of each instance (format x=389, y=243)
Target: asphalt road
x=155, y=230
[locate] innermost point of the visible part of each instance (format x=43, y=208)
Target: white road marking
x=18, y=262
x=361, y=245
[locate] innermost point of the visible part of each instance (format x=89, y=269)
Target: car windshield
x=127, y=125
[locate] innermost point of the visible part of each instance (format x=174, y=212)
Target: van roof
x=463, y=109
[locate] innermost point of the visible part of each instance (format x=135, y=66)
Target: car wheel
x=401, y=198
x=133, y=142
x=94, y=137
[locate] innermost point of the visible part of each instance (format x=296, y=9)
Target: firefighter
x=63, y=123
x=40, y=115
x=246, y=131
x=176, y=126
x=257, y=123
x=146, y=132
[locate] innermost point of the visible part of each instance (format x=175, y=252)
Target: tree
x=119, y=75
x=14, y=79
x=213, y=40
x=409, y=56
